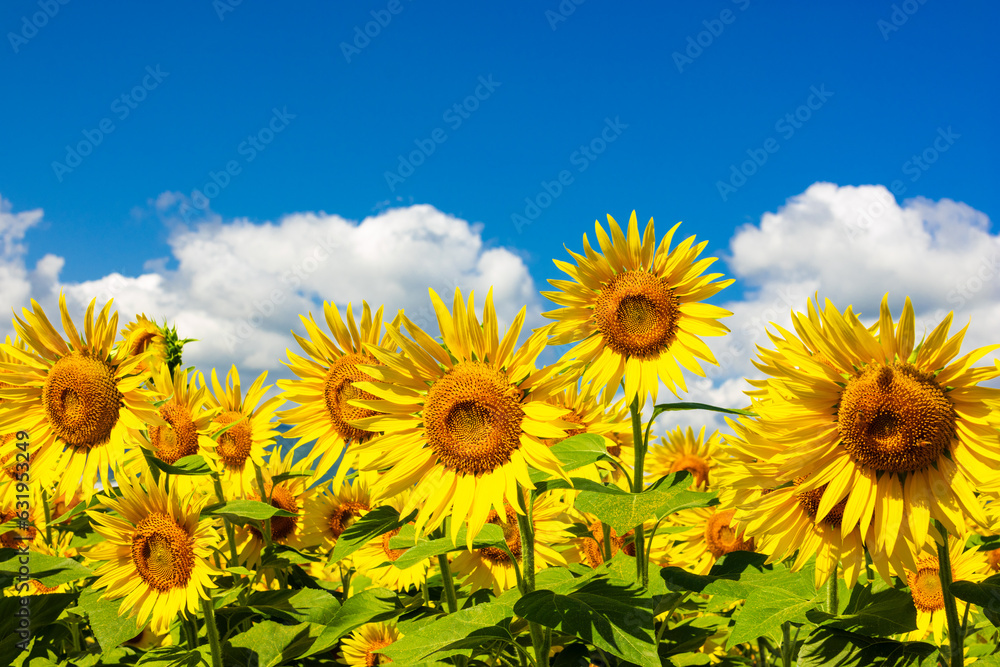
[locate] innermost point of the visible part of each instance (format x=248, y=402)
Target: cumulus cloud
x=239, y=287
x=853, y=244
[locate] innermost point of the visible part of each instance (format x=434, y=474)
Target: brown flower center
x=993, y=558
x=511, y=535
x=373, y=659
x=721, y=538
x=391, y=554
x=473, y=418
x=81, y=400
x=344, y=515
x=637, y=314
x=809, y=500
x=593, y=547
x=695, y=465
x=925, y=585
x=895, y=418
x=338, y=390
x=162, y=552
x=179, y=438
x=233, y=446
x=282, y=527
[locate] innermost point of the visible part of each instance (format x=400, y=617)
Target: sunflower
x=362, y=647
x=329, y=514
x=710, y=534
x=491, y=567
x=925, y=584
x=591, y=547
x=636, y=311
x=682, y=450
x=377, y=560
x=250, y=428
x=325, y=387
x=142, y=336
x=157, y=552
x=461, y=421
x=896, y=433
x=81, y=403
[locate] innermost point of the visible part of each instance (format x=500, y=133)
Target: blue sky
x=684, y=93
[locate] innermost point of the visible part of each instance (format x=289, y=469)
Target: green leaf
x=690, y=405
x=985, y=594
x=623, y=511
x=613, y=618
x=575, y=452
x=281, y=477
x=373, y=605
x=308, y=604
x=490, y=536
x=884, y=613
x=49, y=570
x=41, y=612
x=377, y=522
x=772, y=598
x=189, y=465
x=109, y=628
x=830, y=647
x=463, y=629
x=240, y=511
x=275, y=643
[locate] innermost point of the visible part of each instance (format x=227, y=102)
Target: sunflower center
x=162, y=552
x=511, y=535
x=345, y=515
x=391, y=554
x=179, y=438
x=925, y=585
x=81, y=400
x=473, y=418
x=572, y=418
x=809, y=500
x=282, y=527
x=721, y=538
x=14, y=539
x=637, y=314
x=993, y=559
x=895, y=418
x=338, y=390
x=142, y=342
x=234, y=445
x=373, y=659
x=593, y=549
x=695, y=465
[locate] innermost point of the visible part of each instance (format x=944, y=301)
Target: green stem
x=786, y=644
x=762, y=656
x=212, y=631
x=538, y=637
x=234, y=556
x=451, y=599
x=48, y=518
x=267, y=522
x=190, y=633
x=832, y=603
x=606, y=541
x=955, y=638
x=74, y=628
x=639, y=442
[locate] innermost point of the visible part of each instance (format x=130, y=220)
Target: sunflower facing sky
x=157, y=553
x=879, y=431
x=462, y=421
x=680, y=450
x=81, y=400
x=637, y=310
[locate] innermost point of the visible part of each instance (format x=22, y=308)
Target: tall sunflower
x=250, y=429
x=898, y=433
x=361, y=649
x=81, y=402
x=682, y=450
x=637, y=310
x=462, y=421
x=157, y=553
x=325, y=387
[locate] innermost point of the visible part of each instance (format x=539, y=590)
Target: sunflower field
x=443, y=498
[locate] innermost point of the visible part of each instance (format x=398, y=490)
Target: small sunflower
x=250, y=430
x=711, y=533
x=895, y=432
x=328, y=514
x=157, y=552
x=682, y=450
x=362, y=648
x=591, y=547
x=637, y=310
x=377, y=560
x=142, y=336
x=461, y=421
x=925, y=584
x=591, y=415
x=325, y=387
x=81, y=403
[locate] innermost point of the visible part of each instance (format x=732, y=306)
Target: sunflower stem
x=639, y=442
x=234, y=556
x=762, y=656
x=538, y=638
x=266, y=497
x=832, y=603
x=212, y=631
x=606, y=541
x=449, y=584
x=955, y=638
x=48, y=518
x=786, y=644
